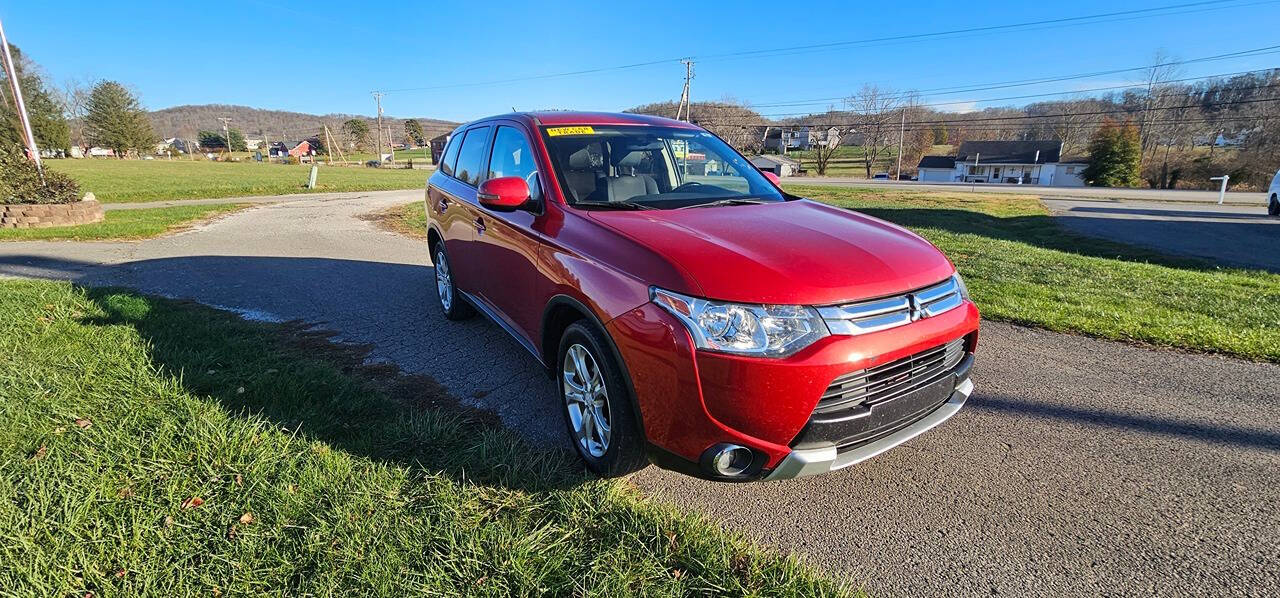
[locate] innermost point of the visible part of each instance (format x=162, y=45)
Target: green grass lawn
x=150, y=447
x=155, y=180
x=1022, y=268
x=125, y=225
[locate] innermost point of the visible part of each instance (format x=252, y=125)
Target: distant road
x=1233, y=197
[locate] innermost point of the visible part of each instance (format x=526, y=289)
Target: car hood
x=797, y=252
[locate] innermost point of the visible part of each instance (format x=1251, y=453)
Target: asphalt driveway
x=1080, y=466
x=1239, y=236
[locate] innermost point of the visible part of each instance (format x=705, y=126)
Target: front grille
x=888, y=381
x=890, y=312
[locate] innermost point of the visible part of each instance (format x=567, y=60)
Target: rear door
x=453, y=198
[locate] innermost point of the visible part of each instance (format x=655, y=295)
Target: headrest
x=583, y=159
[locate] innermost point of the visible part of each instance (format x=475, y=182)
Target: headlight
x=761, y=330
x=964, y=290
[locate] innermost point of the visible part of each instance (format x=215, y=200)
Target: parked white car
x=1273, y=193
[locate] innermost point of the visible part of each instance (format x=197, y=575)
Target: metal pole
x=11, y=70
x=902, y=134
x=973, y=184
x=1222, y=191
x=377, y=96
x=226, y=132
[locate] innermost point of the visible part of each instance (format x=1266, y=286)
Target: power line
x=983, y=101
x=1014, y=118
x=1098, y=17
x=1263, y=51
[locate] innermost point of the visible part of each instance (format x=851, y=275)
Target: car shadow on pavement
x=288, y=369
x=1060, y=233
x=1204, y=432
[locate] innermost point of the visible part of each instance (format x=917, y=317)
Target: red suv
x=693, y=313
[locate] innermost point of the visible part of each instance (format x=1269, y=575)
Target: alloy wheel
x=444, y=285
x=587, y=401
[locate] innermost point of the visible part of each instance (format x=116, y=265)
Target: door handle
x=480, y=225
x=444, y=203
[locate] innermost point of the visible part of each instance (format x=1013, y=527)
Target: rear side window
x=471, y=158
x=450, y=155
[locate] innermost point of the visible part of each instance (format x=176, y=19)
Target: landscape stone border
x=26, y=215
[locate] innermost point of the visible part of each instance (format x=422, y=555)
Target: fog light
x=732, y=460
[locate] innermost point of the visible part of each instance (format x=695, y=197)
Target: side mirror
x=773, y=178
x=504, y=194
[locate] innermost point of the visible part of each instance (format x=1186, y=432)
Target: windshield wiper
x=616, y=205
x=737, y=201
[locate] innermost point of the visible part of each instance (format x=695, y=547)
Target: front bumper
x=690, y=402
x=807, y=462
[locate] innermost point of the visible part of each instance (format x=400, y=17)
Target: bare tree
x=875, y=118
x=824, y=145
x=75, y=104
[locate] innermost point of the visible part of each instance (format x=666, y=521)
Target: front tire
x=450, y=300
x=1273, y=206
x=597, y=405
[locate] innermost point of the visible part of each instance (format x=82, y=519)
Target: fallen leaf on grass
x=192, y=502
x=40, y=453
x=240, y=390
x=676, y=573
x=239, y=480
x=247, y=518
x=83, y=423
x=121, y=573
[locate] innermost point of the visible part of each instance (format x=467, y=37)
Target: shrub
x=20, y=181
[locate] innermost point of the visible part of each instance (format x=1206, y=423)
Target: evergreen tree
x=1115, y=156
x=413, y=129
x=116, y=120
x=357, y=132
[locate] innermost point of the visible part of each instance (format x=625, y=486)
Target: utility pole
x=391, y=147
x=684, y=95
x=377, y=96
x=11, y=71
x=226, y=131
x=902, y=134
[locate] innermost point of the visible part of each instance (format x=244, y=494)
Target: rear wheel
x=597, y=405
x=1273, y=206
x=451, y=303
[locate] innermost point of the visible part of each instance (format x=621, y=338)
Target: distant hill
x=187, y=121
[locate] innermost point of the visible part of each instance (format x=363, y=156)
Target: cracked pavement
x=1079, y=466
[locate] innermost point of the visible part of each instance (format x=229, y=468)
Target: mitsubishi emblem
x=917, y=312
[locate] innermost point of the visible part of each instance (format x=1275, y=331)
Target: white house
x=1007, y=162
x=779, y=165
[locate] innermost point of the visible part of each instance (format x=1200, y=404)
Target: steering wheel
x=688, y=184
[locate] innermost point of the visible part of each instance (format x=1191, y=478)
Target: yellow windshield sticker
x=558, y=131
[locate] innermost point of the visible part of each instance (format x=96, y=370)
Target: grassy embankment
x=114, y=180
x=126, y=225
x=159, y=448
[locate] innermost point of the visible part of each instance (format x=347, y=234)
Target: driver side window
x=513, y=157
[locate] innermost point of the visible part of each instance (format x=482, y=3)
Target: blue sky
x=323, y=57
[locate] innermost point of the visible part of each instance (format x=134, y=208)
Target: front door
x=509, y=243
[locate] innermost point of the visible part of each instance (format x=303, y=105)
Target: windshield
x=652, y=167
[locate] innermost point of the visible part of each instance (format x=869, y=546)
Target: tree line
x=1186, y=130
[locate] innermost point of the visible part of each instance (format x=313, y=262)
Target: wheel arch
x=563, y=311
